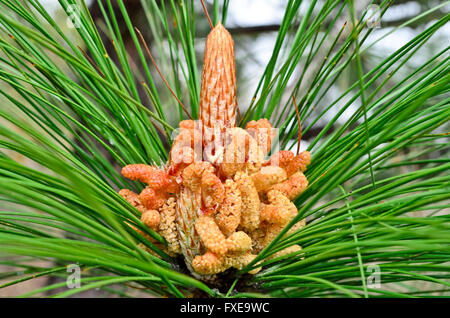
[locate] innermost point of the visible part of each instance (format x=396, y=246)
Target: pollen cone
x=188, y=210
x=218, y=88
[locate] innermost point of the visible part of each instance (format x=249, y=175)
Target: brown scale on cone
x=220, y=208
